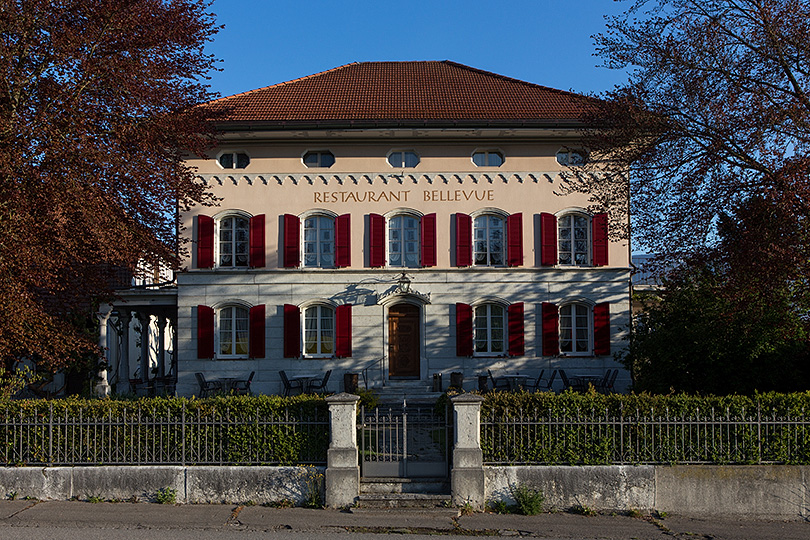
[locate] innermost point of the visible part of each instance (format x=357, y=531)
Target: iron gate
x=404, y=441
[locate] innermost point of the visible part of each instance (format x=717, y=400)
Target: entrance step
x=411, y=391
x=391, y=485
x=404, y=500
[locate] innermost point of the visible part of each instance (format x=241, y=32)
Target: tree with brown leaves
x=96, y=112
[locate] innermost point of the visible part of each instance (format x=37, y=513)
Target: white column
x=467, y=473
x=342, y=467
x=123, y=362
x=103, y=385
x=145, y=319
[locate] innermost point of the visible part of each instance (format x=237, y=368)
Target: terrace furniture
x=541, y=385
x=242, y=388
x=316, y=386
x=498, y=383
x=291, y=385
x=207, y=386
x=608, y=386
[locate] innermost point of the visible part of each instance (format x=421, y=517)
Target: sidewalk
x=83, y=515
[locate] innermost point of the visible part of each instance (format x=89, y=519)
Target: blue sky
x=546, y=42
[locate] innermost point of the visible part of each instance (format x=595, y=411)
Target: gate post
x=467, y=472
x=342, y=468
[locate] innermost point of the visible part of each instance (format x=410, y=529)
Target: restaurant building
x=398, y=220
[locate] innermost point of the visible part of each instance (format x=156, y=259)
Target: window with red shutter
x=376, y=240
x=599, y=225
x=257, y=241
x=205, y=242
x=343, y=325
x=464, y=330
x=343, y=242
x=601, y=329
x=514, y=232
x=205, y=332
x=292, y=331
x=516, y=340
x=257, y=318
x=292, y=255
x=463, y=240
x=548, y=239
x=551, y=329
x=428, y=237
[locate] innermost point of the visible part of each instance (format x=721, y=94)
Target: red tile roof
x=402, y=93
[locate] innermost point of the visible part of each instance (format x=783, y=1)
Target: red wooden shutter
x=548, y=239
x=292, y=331
x=205, y=332
x=551, y=329
x=516, y=341
x=464, y=330
x=256, y=318
x=463, y=240
x=343, y=241
x=428, y=234
x=376, y=240
x=601, y=329
x=599, y=236
x=514, y=233
x=292, y=234
x=343, y=326
x=205, y=242
x=257, y=241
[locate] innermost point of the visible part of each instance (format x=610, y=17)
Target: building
x=397, y=220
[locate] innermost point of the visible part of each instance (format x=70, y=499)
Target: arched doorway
x=404, y=341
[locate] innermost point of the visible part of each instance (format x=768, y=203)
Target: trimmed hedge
x=219, y=430
x=591, y=428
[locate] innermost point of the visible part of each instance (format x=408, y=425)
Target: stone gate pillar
x=467, y=472
x=342, y=467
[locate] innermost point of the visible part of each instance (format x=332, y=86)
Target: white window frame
x=490, y=212
x=564, y=157
x=410, y=214
x=317, y=214
x=218, y=220
x=234, y=154
x=218, y=310
x=487, y=152
x=319, y=330
x=588, y=330
x=320, y=154
x=402, y=159
x=488, y=304
x=588, y=237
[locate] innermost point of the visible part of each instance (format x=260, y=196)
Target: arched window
x=489, y=329
x=233, y=241
x=575, y=329
x=489, y=246
x=233, y=337
x=319, y=241
x=403, y=241
x=319, y=331
x=574, y=237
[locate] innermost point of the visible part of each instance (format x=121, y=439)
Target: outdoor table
x=305, y=379
x=580, y=383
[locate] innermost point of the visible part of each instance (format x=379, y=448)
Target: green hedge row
x=220, y=430
x=591, y=428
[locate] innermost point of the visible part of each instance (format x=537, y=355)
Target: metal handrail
x=378, y=362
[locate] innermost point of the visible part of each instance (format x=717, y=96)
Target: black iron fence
x=139, y=437
x=597, y=437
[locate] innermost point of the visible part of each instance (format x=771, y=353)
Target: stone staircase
x=413, y=391
x=403, y=493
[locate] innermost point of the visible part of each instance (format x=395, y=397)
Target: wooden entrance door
x=403, y=341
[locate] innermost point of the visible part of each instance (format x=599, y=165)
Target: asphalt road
x=57, y=520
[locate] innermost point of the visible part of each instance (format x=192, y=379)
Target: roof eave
x=284, y=125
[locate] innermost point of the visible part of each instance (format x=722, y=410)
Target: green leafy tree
x=96, y=113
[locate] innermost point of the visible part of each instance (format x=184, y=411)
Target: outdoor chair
x=321, y=386
x=607, y=388
x=290, y=385
x=531, y=385
x=242, y=388
x=540, y=384
x=566, y=383
x=604, y=382
x=207, y=386
x=498, y=383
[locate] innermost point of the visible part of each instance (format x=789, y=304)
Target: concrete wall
x=193, y=484
x=779, y=491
